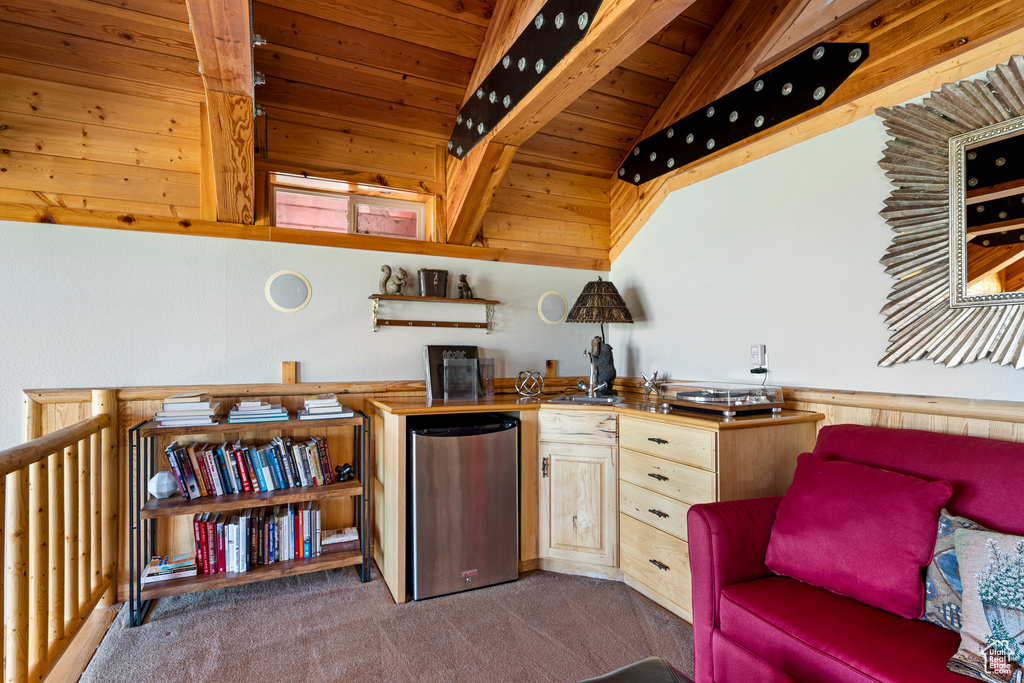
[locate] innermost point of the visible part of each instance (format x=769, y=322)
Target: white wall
x=784, y=252
x=82, y=307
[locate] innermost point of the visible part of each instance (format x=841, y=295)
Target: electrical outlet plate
x=757, y=355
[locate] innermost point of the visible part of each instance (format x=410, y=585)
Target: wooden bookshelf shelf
x=153, y=428
x=176, y=505
x=192, y=584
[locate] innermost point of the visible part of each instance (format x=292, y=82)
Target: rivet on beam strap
x=796, y=86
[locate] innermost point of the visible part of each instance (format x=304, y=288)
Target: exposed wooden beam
x=915, y=47
x=727, y=58
x=473, y=181
x=508, y=20
x=472, y=184
x=223, y=34
x=815, y=19
x=724, y=61
x=984, y=262
x=620, y=27
x=222, y=30
x=58, y=215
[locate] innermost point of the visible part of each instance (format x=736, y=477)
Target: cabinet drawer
x=687, y=484
x=659, y=511
x=683, y=444
x=578, y=426
x=642, y=546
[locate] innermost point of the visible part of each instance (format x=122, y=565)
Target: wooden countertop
x=631, y=407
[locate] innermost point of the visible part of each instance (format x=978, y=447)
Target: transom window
x=337, y=206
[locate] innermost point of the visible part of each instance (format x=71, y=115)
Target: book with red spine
x=210, y=459
x=251, y=468
x=221, y=550
x=204, y=541
x=211, y=540
x=199, y=542
x=243, y=475
x=298, y=533
x=200, y=456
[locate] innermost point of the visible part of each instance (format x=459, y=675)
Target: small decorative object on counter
x=345, y=472
x=650, y=384
x=433, y=282
x=162, y=485
x=392, y=284
x=529, y=383
x=602, y=369
x=465, y=291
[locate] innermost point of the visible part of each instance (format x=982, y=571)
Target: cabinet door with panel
x=578, y=503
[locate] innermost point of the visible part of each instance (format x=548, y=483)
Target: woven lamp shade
x=599, y=302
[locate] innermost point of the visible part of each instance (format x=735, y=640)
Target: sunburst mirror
x=957, y=163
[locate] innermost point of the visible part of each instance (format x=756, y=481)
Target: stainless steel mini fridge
x=464, y=512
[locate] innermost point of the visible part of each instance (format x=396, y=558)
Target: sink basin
x=567, y=398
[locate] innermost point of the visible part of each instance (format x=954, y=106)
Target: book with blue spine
x=275, y=465
x=225, y=473
x=257, y=468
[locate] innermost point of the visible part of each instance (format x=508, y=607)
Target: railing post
x=84, y=522
x=55, y=474
x=105, y=401
x=71, y=600
x=16, y=556
x=39, y=565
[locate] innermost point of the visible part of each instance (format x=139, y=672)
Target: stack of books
x=340, y=540
x=188, y=410
x=212, y=470
x=234, y=543
x=256, y=411
x=164, y=567
x=324, y=407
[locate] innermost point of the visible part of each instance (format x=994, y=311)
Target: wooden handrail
x=18, y=457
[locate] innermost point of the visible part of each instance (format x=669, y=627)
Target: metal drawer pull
x=657, y=440
x=659, y=565
x=659, y=477
x=659, y=513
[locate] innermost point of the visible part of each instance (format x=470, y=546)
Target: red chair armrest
x=728, y=542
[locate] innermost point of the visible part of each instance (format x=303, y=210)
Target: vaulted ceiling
x=106, y=120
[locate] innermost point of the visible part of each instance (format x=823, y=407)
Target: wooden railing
x=60, y=519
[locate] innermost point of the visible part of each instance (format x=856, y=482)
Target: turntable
x=725, y=398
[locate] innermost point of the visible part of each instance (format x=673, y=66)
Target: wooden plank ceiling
x=105, y=120
x=391, y=76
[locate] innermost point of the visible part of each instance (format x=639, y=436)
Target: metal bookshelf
x=144, y=509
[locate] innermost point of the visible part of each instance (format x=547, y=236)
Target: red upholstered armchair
x=751, y=625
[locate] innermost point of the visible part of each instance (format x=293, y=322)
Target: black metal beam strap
x=556, y=29
x=798, y=85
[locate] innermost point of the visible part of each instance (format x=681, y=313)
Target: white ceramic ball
x=163, y=484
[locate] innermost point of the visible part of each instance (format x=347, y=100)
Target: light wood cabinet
x=666, y=467
x=577, y=503
x=578, y=520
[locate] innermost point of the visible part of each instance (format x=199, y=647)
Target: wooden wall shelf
x=488, y=305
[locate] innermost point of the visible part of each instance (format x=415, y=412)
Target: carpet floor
x=328, y=626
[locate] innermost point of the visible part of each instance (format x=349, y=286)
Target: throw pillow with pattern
x=942, y=597
x=992, y=636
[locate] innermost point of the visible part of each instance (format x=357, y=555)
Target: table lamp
x=599, y=302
